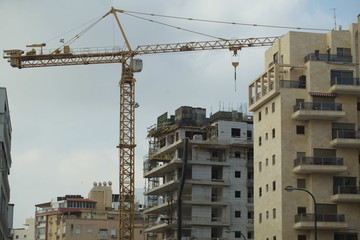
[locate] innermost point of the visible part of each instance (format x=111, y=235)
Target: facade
x=27, y=233
x=306, y=109
x=6, y=209
x=217, y=197
x=73, y=217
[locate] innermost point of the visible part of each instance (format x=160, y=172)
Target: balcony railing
x=328, y=58
x=347, y=190
x=345, y=81
x=292, y=84
x=308, y=217
x=318, y=161
x=318, y=106
x=350, y=134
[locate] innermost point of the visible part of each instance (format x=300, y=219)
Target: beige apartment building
x=73, y=217
x=217, y=198
x=306, y=135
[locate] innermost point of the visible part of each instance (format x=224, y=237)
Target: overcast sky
x=66, y=119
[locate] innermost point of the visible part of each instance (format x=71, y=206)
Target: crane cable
x=172, y=26
x=225, y=22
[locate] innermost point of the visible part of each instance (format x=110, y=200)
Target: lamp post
x=242, y=235
x=290, y=189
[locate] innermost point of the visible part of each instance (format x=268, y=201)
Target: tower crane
x=65, y=56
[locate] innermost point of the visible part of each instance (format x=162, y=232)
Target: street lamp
x=290, y=189
x=242, y=235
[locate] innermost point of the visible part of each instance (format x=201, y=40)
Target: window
x=266, y=110
x=237, y=194
x=358, y=106
x=300, y=129
x=267, y=187
x=235, y=132
x=237, y=214
x=259, y=115
x=273, y=133
x=237, y=234
x=260, y=217
x=259, y=141
x=273, y=159
x=273, y=107
x=237, y=154
x=24, y=236
x=266, y=136
x=267, y=214
x=17, y=237
x=274, y=237
x=89, y=230
x=249, y=134
x=260, y=166
x=276, y=57
x=274, y=213
x=237, y=174
x=345, y=236
x=267, y=162
x=343, y=51
x=301, y=183
x=274, y=185
x=77, y=230
x=301, y=210
x=260, y=191
x=301, y=237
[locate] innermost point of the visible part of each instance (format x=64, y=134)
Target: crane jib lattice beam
x=20, y=59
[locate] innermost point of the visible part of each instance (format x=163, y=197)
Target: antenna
x=334, y=17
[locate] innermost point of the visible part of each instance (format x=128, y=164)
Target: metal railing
x=328, y=57
x=318, y=161
x=346, y=190
x=309, y=217
x=350, y=134
x=292, y=84
x=345, y=81
x=318, y=106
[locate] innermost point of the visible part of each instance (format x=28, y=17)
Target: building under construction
x=217, y=195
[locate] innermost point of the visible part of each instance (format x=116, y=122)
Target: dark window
x=259, y=141
x=237, y=194
x=237, y=174
x=301, y=210
x=301, y=183
x=249, y=134
x=237, y=234
x=260, y=166
x=301, y=237
x=300, y=129
x=237, y=214
x=273, y=159
x=274, y=213
x=274, y=185
x=266, y=110
x=259, y=116
x=273, y=107
x=274, y=237
x=260, y=217
x=266, y=136
x=273, y=132
x=343, y=51
x=358, y=106
x=235, y=132
x=276, y=58
x=237, y=154
x=345, y=236
x=260, y=191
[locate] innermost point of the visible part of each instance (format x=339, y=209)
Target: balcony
x=205, y=221
x=250, y=202
x=345, y=138
x=308, y=165
x=345, y=86
x=328, y=58
x=346, y=194
x=292, y=84
x=317, y=110
x=305, y=221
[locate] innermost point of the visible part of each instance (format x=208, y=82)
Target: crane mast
x=66, y=56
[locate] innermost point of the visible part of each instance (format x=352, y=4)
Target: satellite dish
x=95, y=184
x=100, y=184
x=110, y=183
x=104, y=183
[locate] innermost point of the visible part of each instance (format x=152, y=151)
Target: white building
x=218, y=191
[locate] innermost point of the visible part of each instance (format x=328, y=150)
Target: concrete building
x=218, y=190
x=306, y=128
x=73, y=217
x=27, y=233
x=6, y=209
